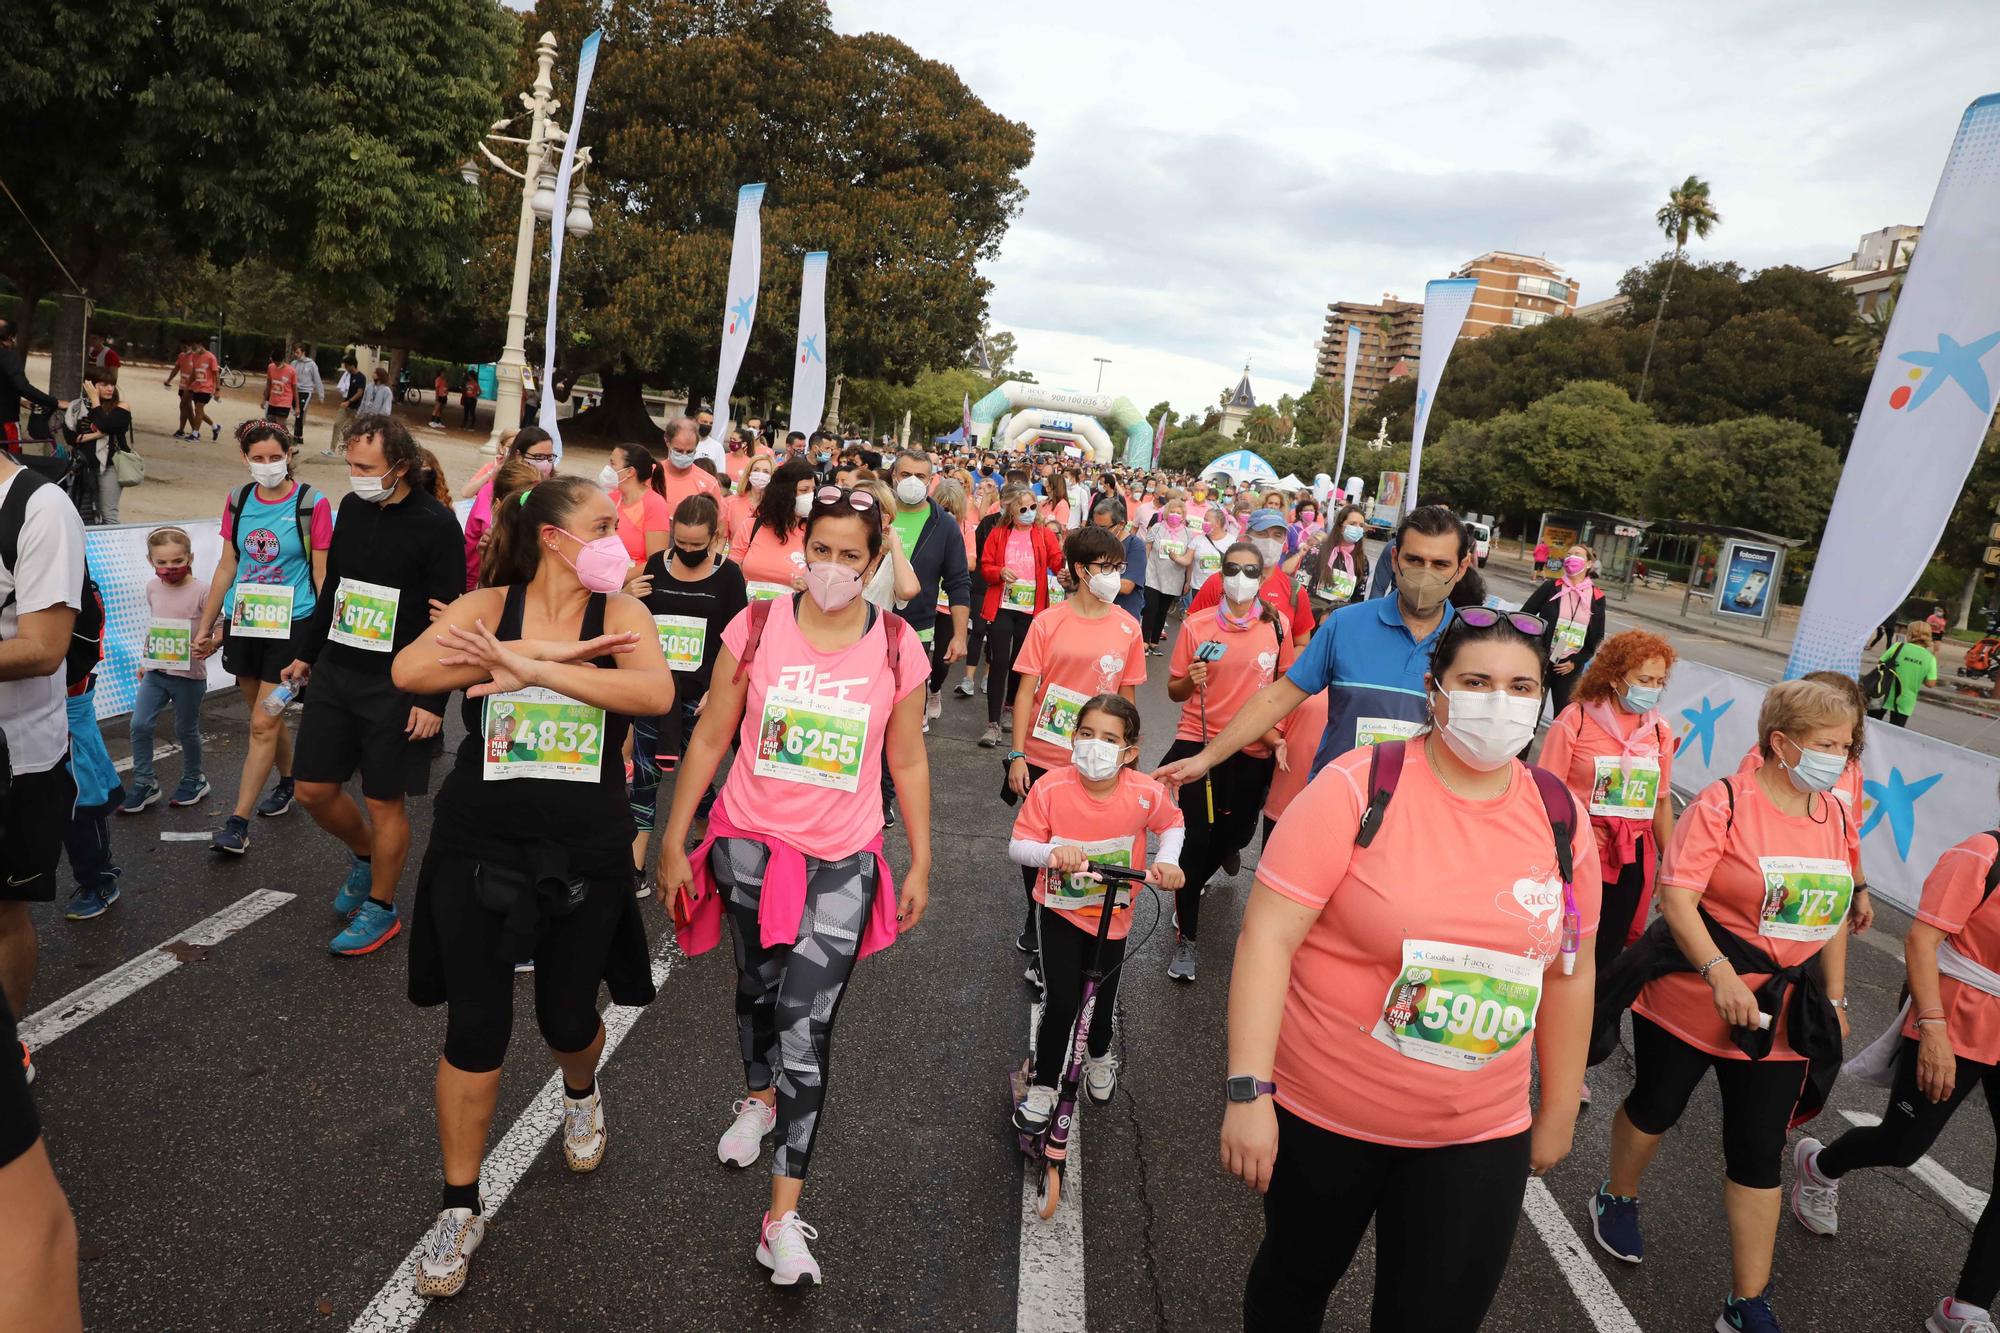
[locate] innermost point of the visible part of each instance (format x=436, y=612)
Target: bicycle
x=230, y=377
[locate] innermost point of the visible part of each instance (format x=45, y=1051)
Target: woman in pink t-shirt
x=645, y=519
x=1388, y=1000
x=771, y=549
x=533, y=446
x=739, y=507
x=1750, y=956
x=831, y=692
x=1942, y=1046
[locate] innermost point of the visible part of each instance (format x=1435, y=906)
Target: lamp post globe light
x=538, y=204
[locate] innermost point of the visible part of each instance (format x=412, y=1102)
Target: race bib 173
x=1805, y=897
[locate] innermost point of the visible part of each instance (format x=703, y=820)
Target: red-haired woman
x=1611, y=747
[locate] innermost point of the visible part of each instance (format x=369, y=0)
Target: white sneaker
x=781, y=1247
x=965, y=689
x=1032, y=1115
x=743, y=1141
x=583, y=1131
x=1815, y=1201
x=1974, y=1320
x=933, y=706
x=1100, y=1077
x=446, y=1257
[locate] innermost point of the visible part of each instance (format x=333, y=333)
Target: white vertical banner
x=1446, y=301
x=809, y=374
x=1927, y=410
x=739, y=312
x=1346, y=399
x=586, y=66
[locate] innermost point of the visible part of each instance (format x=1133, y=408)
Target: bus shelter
x=1615, y=538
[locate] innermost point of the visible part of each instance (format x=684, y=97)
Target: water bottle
x=274, y=702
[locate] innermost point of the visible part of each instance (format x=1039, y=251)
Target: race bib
x=537, y=733
x=1619, y=794
x=364, y=616
x=1067, y=893
x=813, y=740
x=1457, y=1006
x=1173, y=550
x=1569, y=637
x=1336, y=584
x=944, y=601
x=1056, y=594
x=1019, y=595
x=1805, y=897
x=1375, y=730
x=169, y=646
x=765, y=592
x=1055, y=720
x=262, y=611
x=1208, y=562
x=683, y=639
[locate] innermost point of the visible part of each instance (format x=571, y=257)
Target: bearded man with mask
x=1369, y=657
x=935, y=547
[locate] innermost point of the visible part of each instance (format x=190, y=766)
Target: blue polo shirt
x=1372, y=669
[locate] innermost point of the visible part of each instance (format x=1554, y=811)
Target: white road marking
x=1051, y=1272
x=397, y=1307
x=159, y=752
x=1968, y=1202
x=86, y=1002
x=1579, y=1266
x=186, y=837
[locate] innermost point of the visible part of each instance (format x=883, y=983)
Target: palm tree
x=1865, y=339
x=1686, y=212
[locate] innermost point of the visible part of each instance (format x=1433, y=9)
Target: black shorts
x=19, y=1128
x=200, y=397
x=356, y=720
x=278, y=414
x=249, y=658
x=37, y=810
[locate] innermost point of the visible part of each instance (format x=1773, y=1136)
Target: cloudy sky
x=1207, y=177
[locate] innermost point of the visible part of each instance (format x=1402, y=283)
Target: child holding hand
x=173, y=670
x=1098, y=808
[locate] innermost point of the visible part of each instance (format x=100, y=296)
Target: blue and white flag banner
x=1446, y=301
x=1927, y=410
x=809, y=373
x=1346, y=399
x=1920, y=795
x=739, y=312
x=586, y=66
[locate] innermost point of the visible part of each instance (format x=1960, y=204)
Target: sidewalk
x=1661, y=608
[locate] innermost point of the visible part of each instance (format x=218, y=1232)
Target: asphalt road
x=248, y=1141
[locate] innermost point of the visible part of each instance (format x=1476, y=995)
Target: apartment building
x=1391, y=333
x=1515, y=291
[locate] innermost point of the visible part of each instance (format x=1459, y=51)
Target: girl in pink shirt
x=771, y=549
x=831, y=692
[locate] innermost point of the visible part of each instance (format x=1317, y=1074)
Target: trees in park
x=1585, y=446
x=870, y=151
x=147, y=133
x=1688, y=211
x=1753, y=472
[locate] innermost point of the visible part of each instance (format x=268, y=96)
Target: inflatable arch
x=1062, y=415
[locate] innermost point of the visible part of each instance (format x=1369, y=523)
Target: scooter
x=1049, y=1146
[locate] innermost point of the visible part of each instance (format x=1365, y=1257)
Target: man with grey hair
x=936, y=551
x=680, y=478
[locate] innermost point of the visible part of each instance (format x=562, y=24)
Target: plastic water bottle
x=274, y=702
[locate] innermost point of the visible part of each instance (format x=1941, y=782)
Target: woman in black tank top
x=529, y=855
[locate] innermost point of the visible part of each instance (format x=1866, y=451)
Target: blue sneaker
x=233, y=836
x=1615, y=1223
x=142, y=795
x=1751, y=1315
x=354, y=889
x=372, y=927
x=279, y=801
x=189, y=792
x=92, y=900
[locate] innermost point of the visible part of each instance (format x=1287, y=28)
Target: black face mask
x=692, y=559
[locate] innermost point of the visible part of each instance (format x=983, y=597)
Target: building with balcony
x=1876, y=267
x=1391, y=333
x=1515, y=292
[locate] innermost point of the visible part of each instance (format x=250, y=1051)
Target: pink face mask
x=833, y=587
x=600, y=565
x=1574, y=564
x=1174, y=521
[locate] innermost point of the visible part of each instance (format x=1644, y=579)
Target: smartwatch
x=1244, y=1088
x=1012, y=755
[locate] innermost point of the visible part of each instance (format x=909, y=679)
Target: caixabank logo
x=1952, y=360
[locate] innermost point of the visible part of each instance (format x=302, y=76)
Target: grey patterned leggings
x=787, y=997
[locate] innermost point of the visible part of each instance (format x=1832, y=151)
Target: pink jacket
x=784, y=900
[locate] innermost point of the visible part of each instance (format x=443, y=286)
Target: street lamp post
x=538, y=201
x=1102, y=362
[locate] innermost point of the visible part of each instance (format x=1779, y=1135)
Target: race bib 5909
x=1458, y=1006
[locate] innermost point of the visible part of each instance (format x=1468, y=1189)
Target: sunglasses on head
x=1485, y=617
x=1253, y=569
x=859, y=501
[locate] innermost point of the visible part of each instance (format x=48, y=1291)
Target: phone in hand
x=1210, y=650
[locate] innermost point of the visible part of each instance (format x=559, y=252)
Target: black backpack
x=86, y=638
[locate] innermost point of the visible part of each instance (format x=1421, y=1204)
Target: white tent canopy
x=1240, y=465
x=1289, y=482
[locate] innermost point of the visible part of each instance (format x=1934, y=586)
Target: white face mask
x=802, y=505
x=269, y=475
x=1487, y=728
x=368, y=488
x=607, y=477
x=1240, y=587
x=682, y=459
x=910, y=491
x=1104, y=587
x=1270, y=549
x=1095, y=759
x=759, y=480
x=1815, y=770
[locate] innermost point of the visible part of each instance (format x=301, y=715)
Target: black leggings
x=1893, y=719
x=1437, y=1266
x=940, y=644
x=479, y=983
x=1910, y=1124
x=1757, y=1099
x=1562, y=686
x=975, y=628
x=1003, y=641
x=1065, y=953
x=1621, y=900
x=1157, y=605
x=1240, y=784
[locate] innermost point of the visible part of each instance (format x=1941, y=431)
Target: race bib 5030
x=683, y=639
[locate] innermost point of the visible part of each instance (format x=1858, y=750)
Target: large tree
x=1753, y=472
x=1586, y=446
x=324, y=136
x=870, y=151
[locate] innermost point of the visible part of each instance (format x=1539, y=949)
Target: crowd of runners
x=709, y=688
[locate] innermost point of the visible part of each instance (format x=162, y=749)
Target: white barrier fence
x=1921, y=795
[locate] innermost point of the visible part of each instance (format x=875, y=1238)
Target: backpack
x=301, y=514
x=86, y=637
x=1881, y=678
x=1385, y=770
x=760, y=614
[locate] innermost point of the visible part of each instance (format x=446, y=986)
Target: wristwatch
x=1012, y=755
x=1244, y=1088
